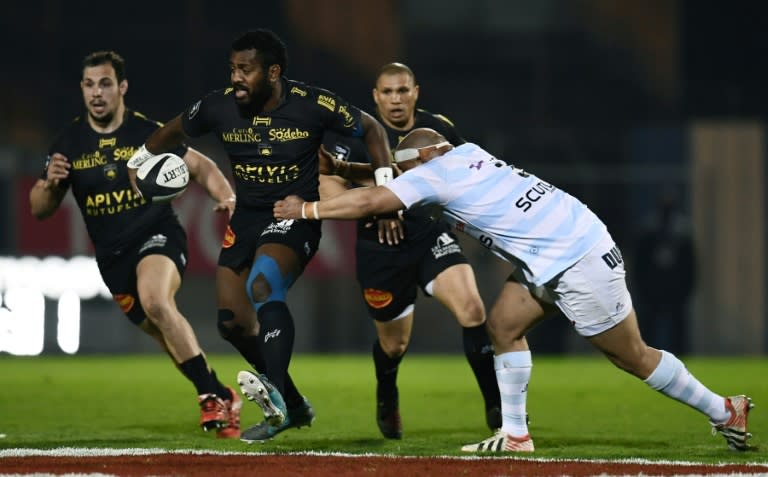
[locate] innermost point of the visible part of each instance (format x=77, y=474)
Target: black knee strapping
x=225, y=316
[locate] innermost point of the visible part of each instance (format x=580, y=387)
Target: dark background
x=593, y=95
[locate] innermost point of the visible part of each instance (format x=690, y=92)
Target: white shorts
x=593, y=292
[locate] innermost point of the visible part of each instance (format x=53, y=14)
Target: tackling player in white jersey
x=562, y=256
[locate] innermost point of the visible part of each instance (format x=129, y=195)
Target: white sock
x=672, y=379
x=513, y=371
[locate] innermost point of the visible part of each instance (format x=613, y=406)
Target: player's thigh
x=291, y=243
x=515, y=312
x=119, y=274
x=285, y=256
x=157, y=280
x=161, y=262
x=456, y=288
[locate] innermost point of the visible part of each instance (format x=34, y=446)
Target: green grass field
x=580, y=407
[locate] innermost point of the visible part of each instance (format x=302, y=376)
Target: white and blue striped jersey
x=518, y=216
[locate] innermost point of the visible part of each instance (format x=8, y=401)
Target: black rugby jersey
x=114, y=216
x=273, y=154
x=417, y=221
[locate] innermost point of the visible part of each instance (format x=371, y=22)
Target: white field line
x=102, y=452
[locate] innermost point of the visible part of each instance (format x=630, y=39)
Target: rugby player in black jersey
x=141, y=248
x=271, y=128
x=429, y=257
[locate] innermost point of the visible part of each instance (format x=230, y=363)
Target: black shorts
x=250, y=229
x=119, y=270
x=389, y=278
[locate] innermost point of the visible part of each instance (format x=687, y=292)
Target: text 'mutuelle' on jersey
x=162, y=178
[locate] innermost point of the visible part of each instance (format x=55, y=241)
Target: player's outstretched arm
x=168, y=137
x=46, y=194
x=205, y=172
x=378, y=148
x=352, y=204
x=356, y=172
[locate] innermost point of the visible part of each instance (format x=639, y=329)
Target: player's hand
x=325, y=161
x=227, y=205
x=132, y=179
x=328, y=164
x=58, y=170
x=391, y=230
x=134, y=162
x=288, y=208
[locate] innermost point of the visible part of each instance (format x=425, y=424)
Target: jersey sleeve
x=152, y=125
x=421, y=186
x=339, y=115
x=196, y=120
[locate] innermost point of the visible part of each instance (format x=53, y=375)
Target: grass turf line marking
x=102, y=452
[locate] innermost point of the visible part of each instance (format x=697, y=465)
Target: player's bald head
x=421, y=137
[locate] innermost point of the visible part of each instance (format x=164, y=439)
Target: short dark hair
x=103, y=57
x=395, y=68
x=267, y=44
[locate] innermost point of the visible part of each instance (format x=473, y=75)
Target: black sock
x=221, y=390
x=479, y=352
x=250, y=348
x=277, y=334
x=386, y=372
x=196, y=370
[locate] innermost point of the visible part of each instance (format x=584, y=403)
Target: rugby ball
x=162, y=178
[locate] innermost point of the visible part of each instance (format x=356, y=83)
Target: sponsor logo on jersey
x=123, y=153
x=327, y=102
x=194, y=109
x=377, y=298
x=261, y=121
x=125, y=302
x=265, y=150
x=445, y=245
x=287, y=134
x=155, y=241
x=244, y=136
x=266, y=174
x=110, y=171
x=87, y=161
x=112, y=202
x=107, y=142
x=534, y=194
x=299, y=91
x=229, y=238
x=282, y=227
x=349, y=121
